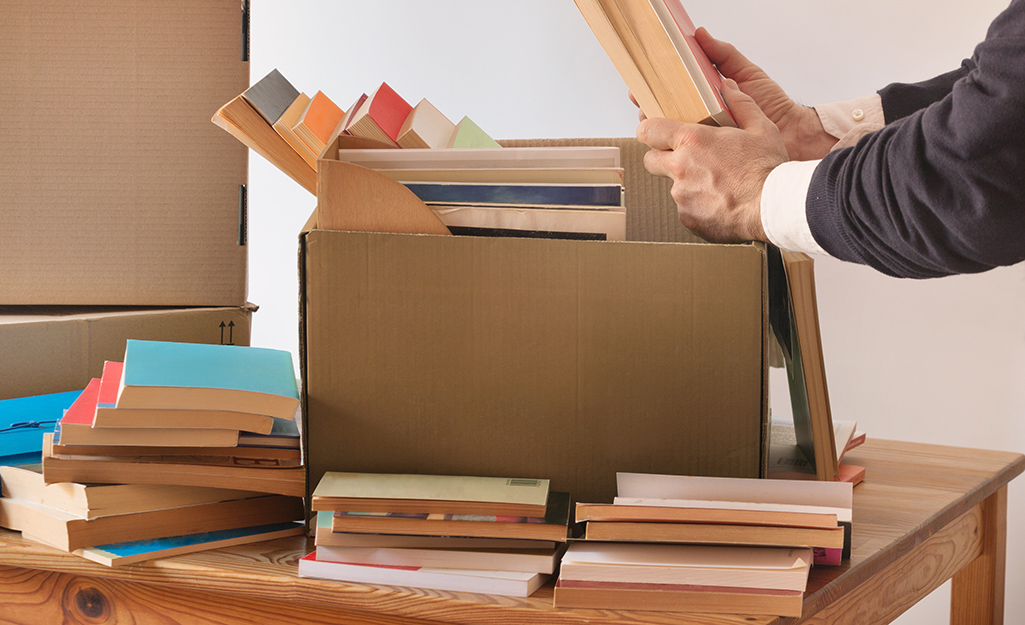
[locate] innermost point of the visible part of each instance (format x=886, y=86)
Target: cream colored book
x=284, y=126
x=426, y=127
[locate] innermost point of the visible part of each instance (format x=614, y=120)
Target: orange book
x=318, y=122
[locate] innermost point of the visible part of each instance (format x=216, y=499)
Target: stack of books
x=752, y=528
x=472, y=184
x=487, y=535
x=179, y=448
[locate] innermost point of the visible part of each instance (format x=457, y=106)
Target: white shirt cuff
x=784, y=218
x=851, y=120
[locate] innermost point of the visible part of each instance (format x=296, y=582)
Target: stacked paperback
x=498, y=536
x=699, y=544
x=472, y=184
x=181, y=447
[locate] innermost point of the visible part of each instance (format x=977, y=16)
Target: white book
x=603, y=225
x=767, y=568
x=508, y=583
x=769, y=491
x=527, y=561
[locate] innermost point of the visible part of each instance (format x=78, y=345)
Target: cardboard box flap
x=117, y=188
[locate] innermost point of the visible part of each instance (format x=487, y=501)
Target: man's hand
x=717, y=173
x=799, y=126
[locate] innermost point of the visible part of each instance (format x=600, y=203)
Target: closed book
x=425, y=127
x=694, y=511
x=531, y=561
x=532, y=175
x=318, y=121
x=326, y=537
x=284, y=126
x=715, y=534
x=607, y=197
x=508, y=583
x=90, y=501
x=68, y=532
x=484, y=158
x=380, y=116
x=271, y=96
x=677, y=598
x=553, y=526
x=159, y=374
x=468, y=134
x=23, y=420
x=533, y=222
x=439, y=494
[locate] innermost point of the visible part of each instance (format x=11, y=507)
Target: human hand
x=717, y=173
x=799, y=126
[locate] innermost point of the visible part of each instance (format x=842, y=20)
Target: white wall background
x=940, y=361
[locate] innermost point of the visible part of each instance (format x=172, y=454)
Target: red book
x=380, y=116
x=109, y=384
x=84, y=409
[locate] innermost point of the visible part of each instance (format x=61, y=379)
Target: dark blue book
x=23, y=421
x=601, y=196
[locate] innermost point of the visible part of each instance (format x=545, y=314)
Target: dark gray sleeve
x=941, y=188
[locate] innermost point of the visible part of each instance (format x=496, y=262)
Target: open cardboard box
x=566, y=360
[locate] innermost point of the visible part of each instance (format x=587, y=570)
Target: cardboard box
x=567, y=360
x=116, y=188
x=50, y=350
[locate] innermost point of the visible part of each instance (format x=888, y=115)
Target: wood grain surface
x=923, y=514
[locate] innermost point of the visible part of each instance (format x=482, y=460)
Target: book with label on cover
x=438, y=494
x=553, y=526
x=163, y=374
x=509, y=583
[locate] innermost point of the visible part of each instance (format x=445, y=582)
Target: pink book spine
x=686, y=26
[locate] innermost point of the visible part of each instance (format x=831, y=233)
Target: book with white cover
x=768, y=491
x=508, y=583
x=483, y=158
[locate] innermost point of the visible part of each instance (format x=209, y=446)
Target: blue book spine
x=592, y=196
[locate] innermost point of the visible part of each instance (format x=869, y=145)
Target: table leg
x=977, y=591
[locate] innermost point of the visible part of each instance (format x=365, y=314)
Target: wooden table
x=924, y=514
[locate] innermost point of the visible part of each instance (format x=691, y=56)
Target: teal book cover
x=199, y=365
x=23, y=420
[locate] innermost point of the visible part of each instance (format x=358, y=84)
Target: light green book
x=469, y=135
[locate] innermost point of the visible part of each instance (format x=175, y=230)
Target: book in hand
x=252, y=126
x=76, y=428
x=124, y=553
x=651, y=43
x=68, y=532
x=553, y=526
x=169, y=375
x=430, y=494
x=23, y=420
x=508, y=583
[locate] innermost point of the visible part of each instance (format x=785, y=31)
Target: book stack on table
x=488, y=535
x=699, y=544
x=181, y=447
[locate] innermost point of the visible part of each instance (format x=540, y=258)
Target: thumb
x=746, y=112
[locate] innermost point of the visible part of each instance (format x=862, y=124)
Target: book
x=533, y=222
x=468, y=134
x=550, y=175
x=318, y=121
x=484, y=158
x=23, y=420
x=793, y=316
x=241, y=120
x=524, y=560
x=284, y=128
x=124, y=553
x=271, y=96
x=325, y=536
x=162, y=374
x=103, y=470
x=509, y=583
x=90, y=501
x=425, y=127
x=606, y=196
x=787, y=461
x=553, y=526
x=433, y=494
x=696, y=511
x=380, y=116
x=76, y=428
x=771, y=568
x=108, y=415
x=677, y=598
x=652, y=46
x=243, y=453
x=715, y=534
x=68, y=532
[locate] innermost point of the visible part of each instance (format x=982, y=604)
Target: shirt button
x=858, y=115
